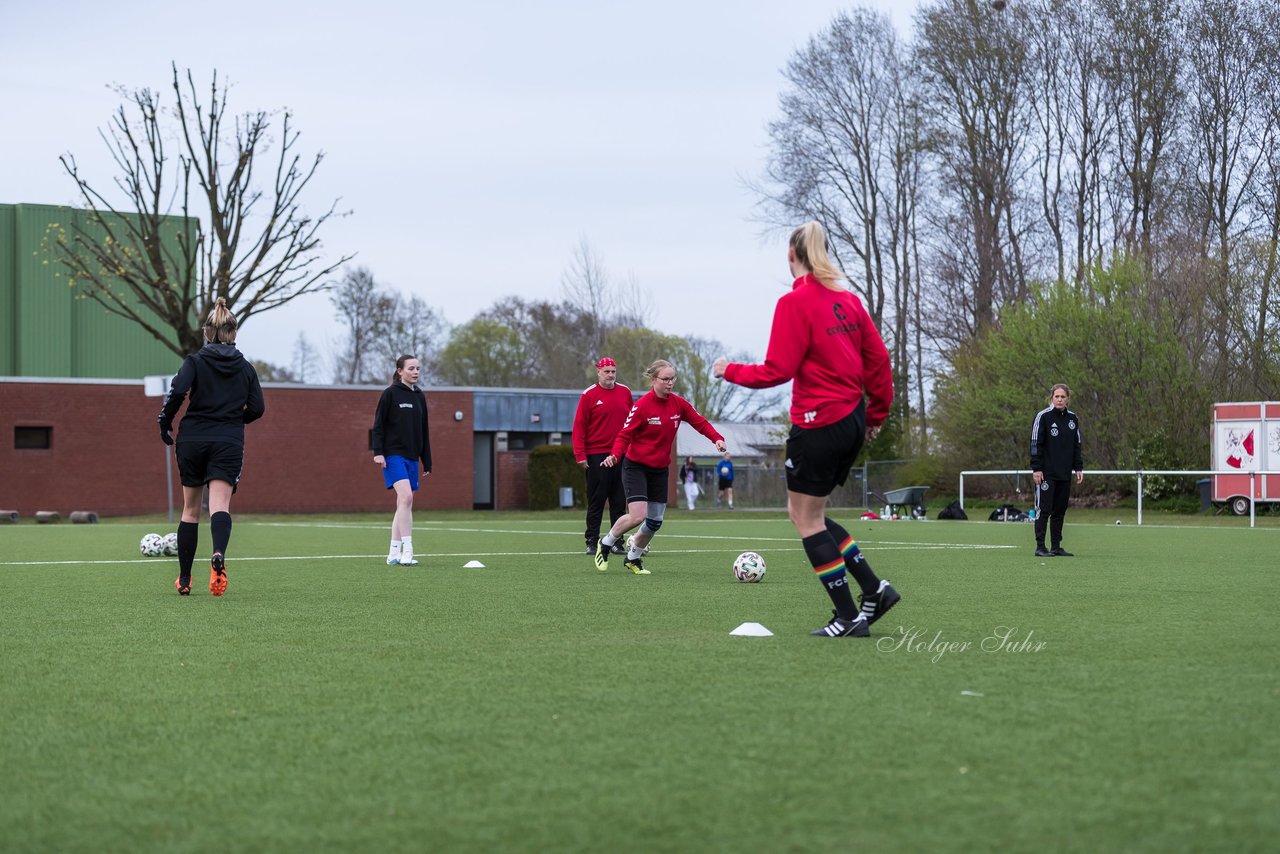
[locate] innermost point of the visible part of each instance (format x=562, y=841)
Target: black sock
x=188, y=540
x=220, y=528
x=826, y=561
x=853, y=558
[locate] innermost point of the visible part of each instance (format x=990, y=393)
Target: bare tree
x=1266, y=199
x=366, y=310
x=830, y=156
x=591, y=292
x=1142, y=68
x=149, y=258
x=557, y=340
x=979, y=72
x=907, y=147
x=848, y=151
x=586, y=285
x=1229, y=128
x=417, y=329
x=1074, y=124
x=304, y=359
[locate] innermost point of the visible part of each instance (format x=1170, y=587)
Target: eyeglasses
x=670, y=379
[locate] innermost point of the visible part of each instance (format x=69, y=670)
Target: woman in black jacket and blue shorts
x=401, y=439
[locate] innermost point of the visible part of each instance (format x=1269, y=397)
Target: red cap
x=606, y=362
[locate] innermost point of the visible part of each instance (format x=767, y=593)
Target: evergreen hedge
x=551, y=468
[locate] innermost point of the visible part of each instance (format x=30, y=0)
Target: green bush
x=927, y=470
x=1152, y=452
x=551, y=468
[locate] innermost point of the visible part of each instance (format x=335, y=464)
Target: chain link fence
x=765, y=485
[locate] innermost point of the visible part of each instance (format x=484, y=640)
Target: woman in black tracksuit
x=1055, y=460
x=401, y=439
x=224, y=396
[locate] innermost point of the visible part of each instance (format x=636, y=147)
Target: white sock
x=395, y=549
x=635, y=553
x=406, y=546
x=609, y=539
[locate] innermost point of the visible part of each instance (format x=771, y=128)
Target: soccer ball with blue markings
x=748, y=568
x=170, y=544
x=152, y=545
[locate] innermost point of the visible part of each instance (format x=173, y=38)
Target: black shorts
x=641, y=483
x=726, y=484
x=201, y=462
x=819, y=458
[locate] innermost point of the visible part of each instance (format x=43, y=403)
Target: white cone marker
x=752, y=630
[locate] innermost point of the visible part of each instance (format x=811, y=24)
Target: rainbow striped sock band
x=830, y=570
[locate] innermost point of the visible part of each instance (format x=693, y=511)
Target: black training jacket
x=400, y=424
x=1055, y=443
x=224, y=396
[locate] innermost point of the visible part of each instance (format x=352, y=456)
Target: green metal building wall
x=46, y=330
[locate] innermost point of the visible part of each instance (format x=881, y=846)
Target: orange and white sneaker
x=217, y=574
x=183, y=589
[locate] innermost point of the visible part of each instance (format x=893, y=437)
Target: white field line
x=791, y=538
x=889, y=545
x=238, y=559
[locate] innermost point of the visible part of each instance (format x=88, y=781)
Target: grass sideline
x=1124, y=699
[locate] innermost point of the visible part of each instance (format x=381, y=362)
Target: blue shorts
x=400, y=468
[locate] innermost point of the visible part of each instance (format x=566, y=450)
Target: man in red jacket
x=602, y=409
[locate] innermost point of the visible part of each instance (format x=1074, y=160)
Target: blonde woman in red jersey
x=644, y=447
x=823, y=341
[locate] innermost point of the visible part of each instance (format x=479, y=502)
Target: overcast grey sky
x=476, y=143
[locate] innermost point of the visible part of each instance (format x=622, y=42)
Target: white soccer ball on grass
x=152, y=545
x=748, y=568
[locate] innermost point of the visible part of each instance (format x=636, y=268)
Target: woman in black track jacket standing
x=224, y=395
x=1056, y=460
x=401, y=439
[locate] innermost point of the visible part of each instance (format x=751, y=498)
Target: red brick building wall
x=309, y=453
x=512, y=477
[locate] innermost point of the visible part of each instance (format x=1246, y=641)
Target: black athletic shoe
x=841, y=627
x=878, y=604
x=636, y=566
x=618, y=548
x=591, y=548
x=1043, y=552
x=1061, y=552
x=602, y=557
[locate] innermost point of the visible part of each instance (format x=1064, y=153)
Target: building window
x=32, y=438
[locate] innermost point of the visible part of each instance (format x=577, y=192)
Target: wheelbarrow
x=906, y=502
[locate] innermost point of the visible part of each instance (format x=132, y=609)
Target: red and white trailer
x=1246, y=438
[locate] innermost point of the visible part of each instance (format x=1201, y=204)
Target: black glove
x=165, y=437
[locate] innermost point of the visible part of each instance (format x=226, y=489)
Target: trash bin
x=566, y=496
x=1206, y=493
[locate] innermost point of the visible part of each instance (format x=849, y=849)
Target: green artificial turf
x=1121, y=700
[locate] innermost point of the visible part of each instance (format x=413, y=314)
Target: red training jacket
x=599, y=417
x=651, y=426
x=825, y=341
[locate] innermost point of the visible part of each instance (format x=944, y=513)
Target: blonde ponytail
x=809, y=244
x=221, y=325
